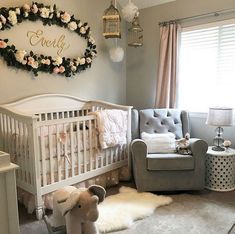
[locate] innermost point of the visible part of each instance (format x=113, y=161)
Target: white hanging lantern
x=130, y=11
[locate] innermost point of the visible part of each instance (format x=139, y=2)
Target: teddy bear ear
x=99, y=191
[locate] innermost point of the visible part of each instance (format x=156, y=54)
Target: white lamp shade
x=220, y=116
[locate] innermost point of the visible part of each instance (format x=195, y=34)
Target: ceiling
x=145, y=3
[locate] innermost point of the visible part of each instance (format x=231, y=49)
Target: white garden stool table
x=220, y=170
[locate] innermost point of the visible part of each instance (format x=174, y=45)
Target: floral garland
x=49, y=15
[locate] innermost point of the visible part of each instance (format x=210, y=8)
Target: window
x=207, y=66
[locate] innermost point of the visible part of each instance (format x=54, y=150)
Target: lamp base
x=218, y=148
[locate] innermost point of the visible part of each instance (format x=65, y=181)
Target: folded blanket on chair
x=112, y=127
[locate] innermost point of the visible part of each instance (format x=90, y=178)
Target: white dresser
x=9, y=219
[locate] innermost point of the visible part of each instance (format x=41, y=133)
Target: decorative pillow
x=159, y=142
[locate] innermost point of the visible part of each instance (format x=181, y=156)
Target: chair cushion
x=163, y=121
x=170, y=162
x=159, y=142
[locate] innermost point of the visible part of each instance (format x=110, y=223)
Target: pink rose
x=56, y=70
x=62, y=69
x=3, y=19
x=3, y=44
x=34, y=9
x=65, y=18
x=26, y=7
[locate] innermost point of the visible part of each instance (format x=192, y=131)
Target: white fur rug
x=121, y=210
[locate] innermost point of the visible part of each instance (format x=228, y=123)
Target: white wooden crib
x=54, y=141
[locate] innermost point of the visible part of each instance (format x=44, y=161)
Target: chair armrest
x=198, y=147
x=138, y=150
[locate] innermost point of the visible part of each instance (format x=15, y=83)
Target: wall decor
x=135, y=34
x=37, y=38
x=49, y=15
x=112, y=22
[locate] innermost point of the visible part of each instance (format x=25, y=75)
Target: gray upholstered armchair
x=166, y=172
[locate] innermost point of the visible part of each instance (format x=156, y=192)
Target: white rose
x=93, y=54
x=77, y=62
x=73, y=68
x=82, y=30
x=12, y=17
x=26, y=14
x=65, y=18
x=19, y=55
x=57, y=61
x=227, y=143
x=35, y=65
x=91, y=40
x=18, y=11
x=26, y=7
x=72, y=26
x=80, y=24
x=82, y=61
x=3, y=19
x=58, y=14
x=44, y=12
x=88, y=60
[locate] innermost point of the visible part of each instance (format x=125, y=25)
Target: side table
x=220, y=170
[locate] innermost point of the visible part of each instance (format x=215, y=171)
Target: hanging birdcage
x=112, y=22
x=135, y=34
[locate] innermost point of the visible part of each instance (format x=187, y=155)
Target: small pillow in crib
x=159, y=142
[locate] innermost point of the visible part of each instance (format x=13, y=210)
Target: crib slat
x=66, y=153
x=84, y=146
x=107, y=156
x=22, y=163
x=78, y=148
x=42, y=138
x=5, y=132
x=51, y=153
x=58, y=150
x=90, y=146
x=96, y=147
x=8, y=134
x=25, y=152
x=72, y=148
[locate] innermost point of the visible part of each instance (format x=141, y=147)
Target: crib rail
x=69, y=148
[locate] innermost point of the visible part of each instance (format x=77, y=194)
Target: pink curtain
x=166, y=79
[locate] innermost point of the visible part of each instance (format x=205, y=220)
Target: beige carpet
x=187, y=215
x=203, y=212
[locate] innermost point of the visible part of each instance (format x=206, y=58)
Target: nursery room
x=117, y=116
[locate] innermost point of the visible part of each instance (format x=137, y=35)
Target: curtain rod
x=195, y=17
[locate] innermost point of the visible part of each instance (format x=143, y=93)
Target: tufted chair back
x=163, y=121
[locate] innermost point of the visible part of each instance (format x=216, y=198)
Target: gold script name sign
x=38, y=38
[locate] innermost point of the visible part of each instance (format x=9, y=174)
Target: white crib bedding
x=98, y=158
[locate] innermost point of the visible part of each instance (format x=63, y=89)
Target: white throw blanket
x=112, y=127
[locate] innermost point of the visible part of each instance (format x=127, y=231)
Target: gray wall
x=142, y=62
x=105, y=80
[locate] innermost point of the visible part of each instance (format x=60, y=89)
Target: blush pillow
x=159, y=142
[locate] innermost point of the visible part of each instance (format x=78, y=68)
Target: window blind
x=207, y=67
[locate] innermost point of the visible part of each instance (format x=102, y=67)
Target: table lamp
x=220, y=117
